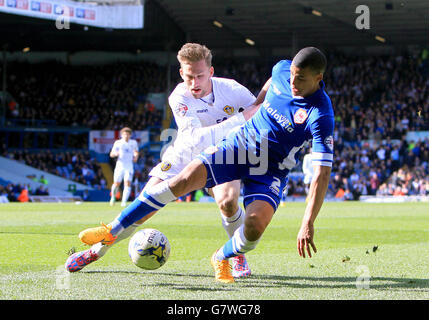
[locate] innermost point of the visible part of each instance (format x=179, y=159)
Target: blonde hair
x=194, y=52
x=126, y=129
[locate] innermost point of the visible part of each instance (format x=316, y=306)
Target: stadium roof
x=266, y=24
x=274, y=23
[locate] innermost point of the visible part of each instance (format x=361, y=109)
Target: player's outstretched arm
x=316, y=196
x=263, y=92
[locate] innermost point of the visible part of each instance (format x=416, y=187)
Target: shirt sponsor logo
x=281, y=119
x=300, y=116
x=228, y=110
x=203, y=111
x=329, y=141
x=181, y=109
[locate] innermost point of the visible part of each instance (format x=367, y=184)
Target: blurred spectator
x=98, y=97
x=78, y=166
x=17, y=192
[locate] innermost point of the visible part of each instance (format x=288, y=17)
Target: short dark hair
x=310, y=57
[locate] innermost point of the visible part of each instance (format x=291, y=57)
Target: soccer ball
x=149, y=249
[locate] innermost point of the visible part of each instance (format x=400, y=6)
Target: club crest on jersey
x=165, y=166
x=300, y=116
x=211, y=150
x=181, y=109
x=329, y=141
x=228, y=110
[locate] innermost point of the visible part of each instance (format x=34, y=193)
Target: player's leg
x=261, y=200
x=118, y=175
x=226, y=196
x=128, y=177
x=79, y=260
x=191, y=178
x=113, y=191
x=101, y=248
x=258, y=215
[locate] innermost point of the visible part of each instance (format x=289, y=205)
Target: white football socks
x=113, y=190
x=237, y=245
x=126, y=194
x=230, y=224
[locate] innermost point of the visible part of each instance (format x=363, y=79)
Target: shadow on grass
x=277, y=281
x=39, y=233
x=153, y=273
x=193, y=287
x=378, y=283
x=175, y=286
x=112, y=271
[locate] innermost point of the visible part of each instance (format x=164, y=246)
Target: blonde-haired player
x=127, y=152
x=206, y=109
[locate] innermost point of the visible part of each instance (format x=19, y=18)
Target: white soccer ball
x=149, y=249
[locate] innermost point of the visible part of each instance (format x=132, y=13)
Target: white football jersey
x=228, y=98
x=126, y=151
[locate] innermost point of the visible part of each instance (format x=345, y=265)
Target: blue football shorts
x=223, y=165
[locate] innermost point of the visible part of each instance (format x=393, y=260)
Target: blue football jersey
x=263, y=151
x=284, y=123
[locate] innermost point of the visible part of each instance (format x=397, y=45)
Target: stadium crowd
x=376, y=100
x=76, y=166
x=11, y=192
x=97, y=97
x=373, y=116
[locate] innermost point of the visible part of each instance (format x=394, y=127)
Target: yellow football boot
x=222, y=270
x=95, y=235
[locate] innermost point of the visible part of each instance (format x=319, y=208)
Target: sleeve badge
x=181, y=109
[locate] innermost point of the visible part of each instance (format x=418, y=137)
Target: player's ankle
x=117, y=228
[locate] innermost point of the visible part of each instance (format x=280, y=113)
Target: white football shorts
x=124, y=173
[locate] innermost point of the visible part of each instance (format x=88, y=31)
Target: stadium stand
x=16, y=177
x=79, y=167
x=373, y=116
x=96, y=97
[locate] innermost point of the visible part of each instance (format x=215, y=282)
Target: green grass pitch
x=35, y=238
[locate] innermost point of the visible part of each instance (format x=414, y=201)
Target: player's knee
x=254, y=227
x=228, y=205
x=180, y=184
x=189, y=179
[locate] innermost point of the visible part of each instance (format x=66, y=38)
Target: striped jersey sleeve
x=323, y=142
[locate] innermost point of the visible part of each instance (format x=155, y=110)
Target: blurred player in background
x=206, y=109
x=127, y=152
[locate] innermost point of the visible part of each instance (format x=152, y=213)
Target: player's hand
x=305, y=239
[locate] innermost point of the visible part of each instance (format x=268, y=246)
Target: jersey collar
x=213, y=96
x=315, y=95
